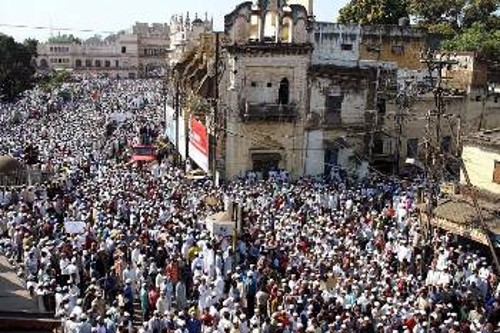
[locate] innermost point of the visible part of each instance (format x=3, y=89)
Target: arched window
x=284, y=92
x=287, y=30
x=270, y=25
x=44, y=64
x=78, y=63
x=255, y=28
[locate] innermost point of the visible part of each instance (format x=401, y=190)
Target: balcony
x=334, y=120
x=268, y=112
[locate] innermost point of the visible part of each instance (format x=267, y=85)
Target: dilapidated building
x=268, y=56
x=282, y=91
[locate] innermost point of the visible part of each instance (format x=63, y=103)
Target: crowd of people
x=312, y=256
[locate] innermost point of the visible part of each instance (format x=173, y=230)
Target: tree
x=32, y=45
x=68, y=39
x=373, y=12
x=96, y=39
x=478, y=38
x=16, y=66
x=457, y=14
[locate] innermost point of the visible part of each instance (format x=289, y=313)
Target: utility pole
x=403, y=101
x=437, y=64
x=177, y=106
x=215, y=106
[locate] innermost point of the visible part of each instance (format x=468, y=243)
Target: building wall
x=353, y=104
x=272, y=136
x=308, y=4
x=243, y=140
x=332, y=42
x=480, y=164
x=388, y=43
x=145, y=47
x=315, y=153
x=185, y=34
x=468, y=75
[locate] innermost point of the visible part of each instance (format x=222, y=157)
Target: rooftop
x=487, y=138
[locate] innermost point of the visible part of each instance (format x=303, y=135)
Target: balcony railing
x=268, y=111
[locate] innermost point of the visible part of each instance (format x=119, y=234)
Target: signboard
x=73, y=227
x=220, y=224
x=182, y=137
x=120, y=117
x=198, y=144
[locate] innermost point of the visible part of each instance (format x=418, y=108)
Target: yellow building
x=481, y=155
x=401, y=45
x=265, y=98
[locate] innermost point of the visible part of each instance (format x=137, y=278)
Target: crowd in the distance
x=313, y=256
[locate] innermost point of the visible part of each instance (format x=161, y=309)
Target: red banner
x=198, y=144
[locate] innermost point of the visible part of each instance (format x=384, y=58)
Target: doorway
x=284, y=92
x=265, y=162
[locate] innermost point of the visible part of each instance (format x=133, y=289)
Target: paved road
x=13, y=295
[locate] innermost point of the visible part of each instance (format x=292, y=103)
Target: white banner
x=170, y=124
x=74, y=227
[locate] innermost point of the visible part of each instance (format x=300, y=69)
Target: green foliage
x=443, y=29
x=458, y=14
x=54, y=80
x=373, y=12
x=68, y=39
x=31, y=44
x=16, y=66
x=477, y=38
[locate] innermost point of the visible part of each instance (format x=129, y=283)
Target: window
x=496, y=172
x=78, y=63
x=124, y=49
x=398, y=49
x=286, y=30
x=412, y=148
x=269, y=84
x=284, y=92
x=253, y=84
x=270, y=26
x=88, y=63
x=51, y=49
x=381, y=105
x=254, y=28
x=98, y=63
x=446, y=144
x=378, y=146
x=333, y=109
x=117, y=63
x=107, y=63
x=346, y=47
x=59, y=60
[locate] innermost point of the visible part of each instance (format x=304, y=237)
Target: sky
x=104, y=16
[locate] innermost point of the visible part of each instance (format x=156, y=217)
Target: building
x=153, y=42
x=127, y=54
x=264, y=90
x=307, y=96
x=184, y=35
x=481, y=156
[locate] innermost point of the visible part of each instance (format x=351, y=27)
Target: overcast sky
x=103, y=16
